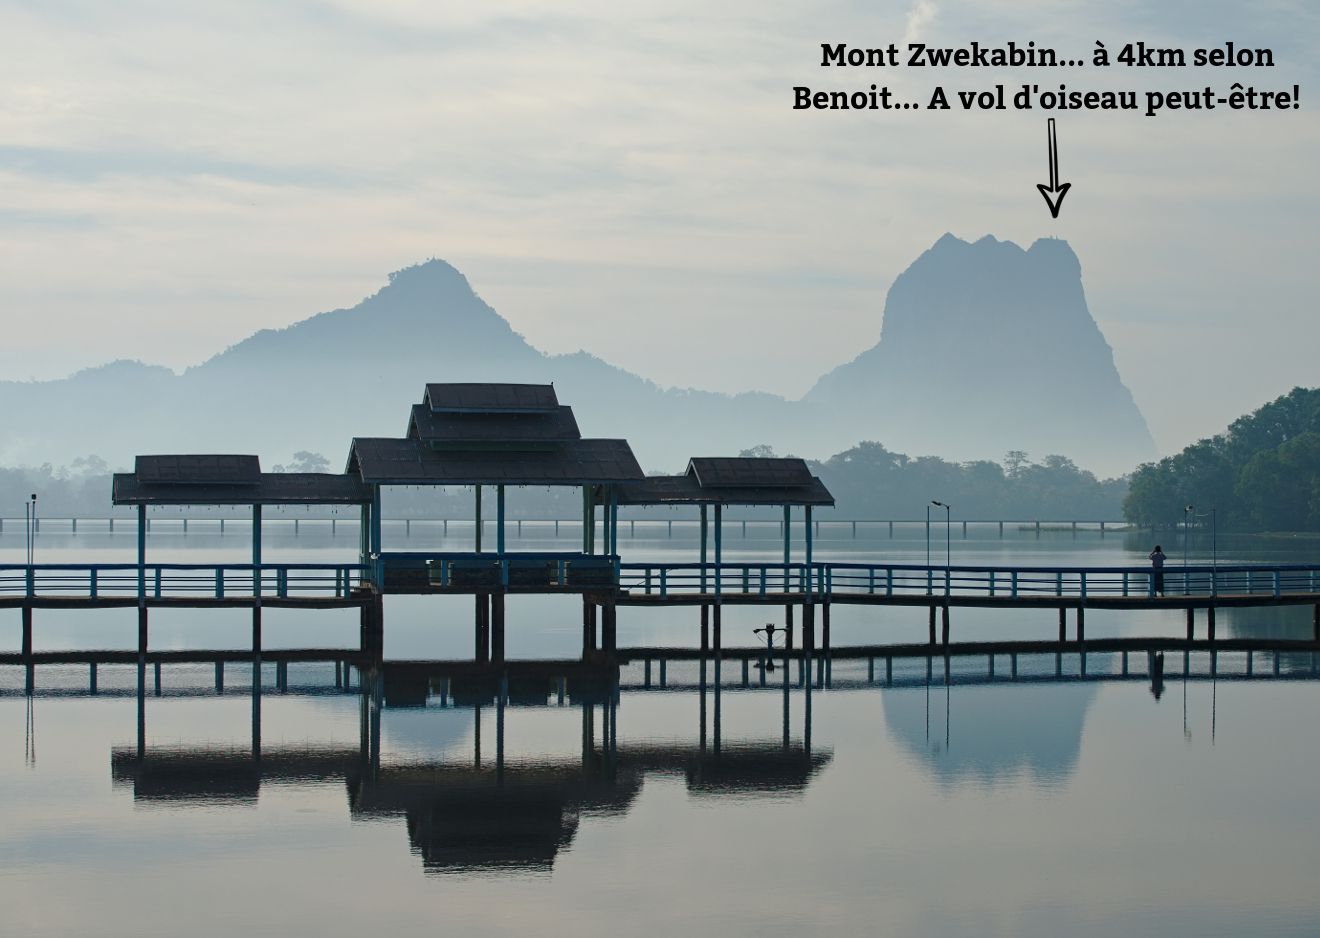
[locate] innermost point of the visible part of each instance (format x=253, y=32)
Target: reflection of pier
x=475, y=809
x=470, y=806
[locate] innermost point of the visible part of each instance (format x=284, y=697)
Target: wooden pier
x=489, y=438
x=806, y=592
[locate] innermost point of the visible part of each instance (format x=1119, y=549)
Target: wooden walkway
x=604, y=584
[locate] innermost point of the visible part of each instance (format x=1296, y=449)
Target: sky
x=631, y=179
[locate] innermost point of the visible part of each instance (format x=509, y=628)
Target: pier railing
x=164, y=580
x=549, y=572
x=1076, y=583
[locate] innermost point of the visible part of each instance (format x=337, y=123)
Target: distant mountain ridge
x=984, y=340
x=354, y=372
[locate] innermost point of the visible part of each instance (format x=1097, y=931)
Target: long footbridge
x=605, y=584
x=487, y=438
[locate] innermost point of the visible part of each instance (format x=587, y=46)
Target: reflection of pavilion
x=477, y=810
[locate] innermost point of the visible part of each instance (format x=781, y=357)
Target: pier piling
x=497, y=627
x=481, y=628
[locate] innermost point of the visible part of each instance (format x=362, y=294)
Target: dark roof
x=740, y=471
x=490, y=398
x=271, y=488
x=686, y=490
x=453, y=429
x=199, y=470
x=411, y=462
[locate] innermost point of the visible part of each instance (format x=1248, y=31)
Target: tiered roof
x=498, y=434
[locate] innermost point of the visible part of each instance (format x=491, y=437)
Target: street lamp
x=1213, y=514
x=948, y=527
x=30, y=525
x=1188, y=514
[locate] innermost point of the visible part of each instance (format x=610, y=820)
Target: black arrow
x=1055, y=191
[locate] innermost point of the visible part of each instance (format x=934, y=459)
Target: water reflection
x=433, y=741
x=472, y=810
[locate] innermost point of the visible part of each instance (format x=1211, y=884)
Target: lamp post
x=928, y=537
x=1188, y=513
x=948, y=527
x=1213, y=514
x=928, y=557
x=30, y=523
x=1214, y=536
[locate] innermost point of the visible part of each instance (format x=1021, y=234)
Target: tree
x=1258, y=473
x=306, y=461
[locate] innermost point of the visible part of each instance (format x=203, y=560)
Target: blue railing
x=111, y=580
x=573, y=571
x=663, y=579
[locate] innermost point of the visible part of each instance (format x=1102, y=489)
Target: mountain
x=354, y=372
x=985, y=348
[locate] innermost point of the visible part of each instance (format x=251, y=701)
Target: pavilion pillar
x=719, y=550
x=614, y=521
x=808, y=607
x=142, y=554
x=719, y=556
x=256, y=554
x=807, y=522
x=703, y=548
x=499, y=520
x=364, y=537
x=787, y=552
x=586, y=518
x=377, y=564
x=478, y=518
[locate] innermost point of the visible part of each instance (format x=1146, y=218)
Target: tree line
x=1261, y=474
x=868, y=481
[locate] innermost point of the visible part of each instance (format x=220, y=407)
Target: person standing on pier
x=1157, y=568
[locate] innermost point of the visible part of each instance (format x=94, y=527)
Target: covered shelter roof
x=198, y=469
x=730, y=481
x=270, y=488
x=743, y=471
x=384, y=461
x=490, y=398
x=531, y=430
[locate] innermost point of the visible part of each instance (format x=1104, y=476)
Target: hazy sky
x=631, y=179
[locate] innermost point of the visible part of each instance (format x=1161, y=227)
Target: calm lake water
x=1070, y=800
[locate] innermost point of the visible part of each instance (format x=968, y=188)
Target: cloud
x=918, y=18
x=617, y=164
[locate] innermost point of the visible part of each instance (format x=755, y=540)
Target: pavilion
x=481, y=436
